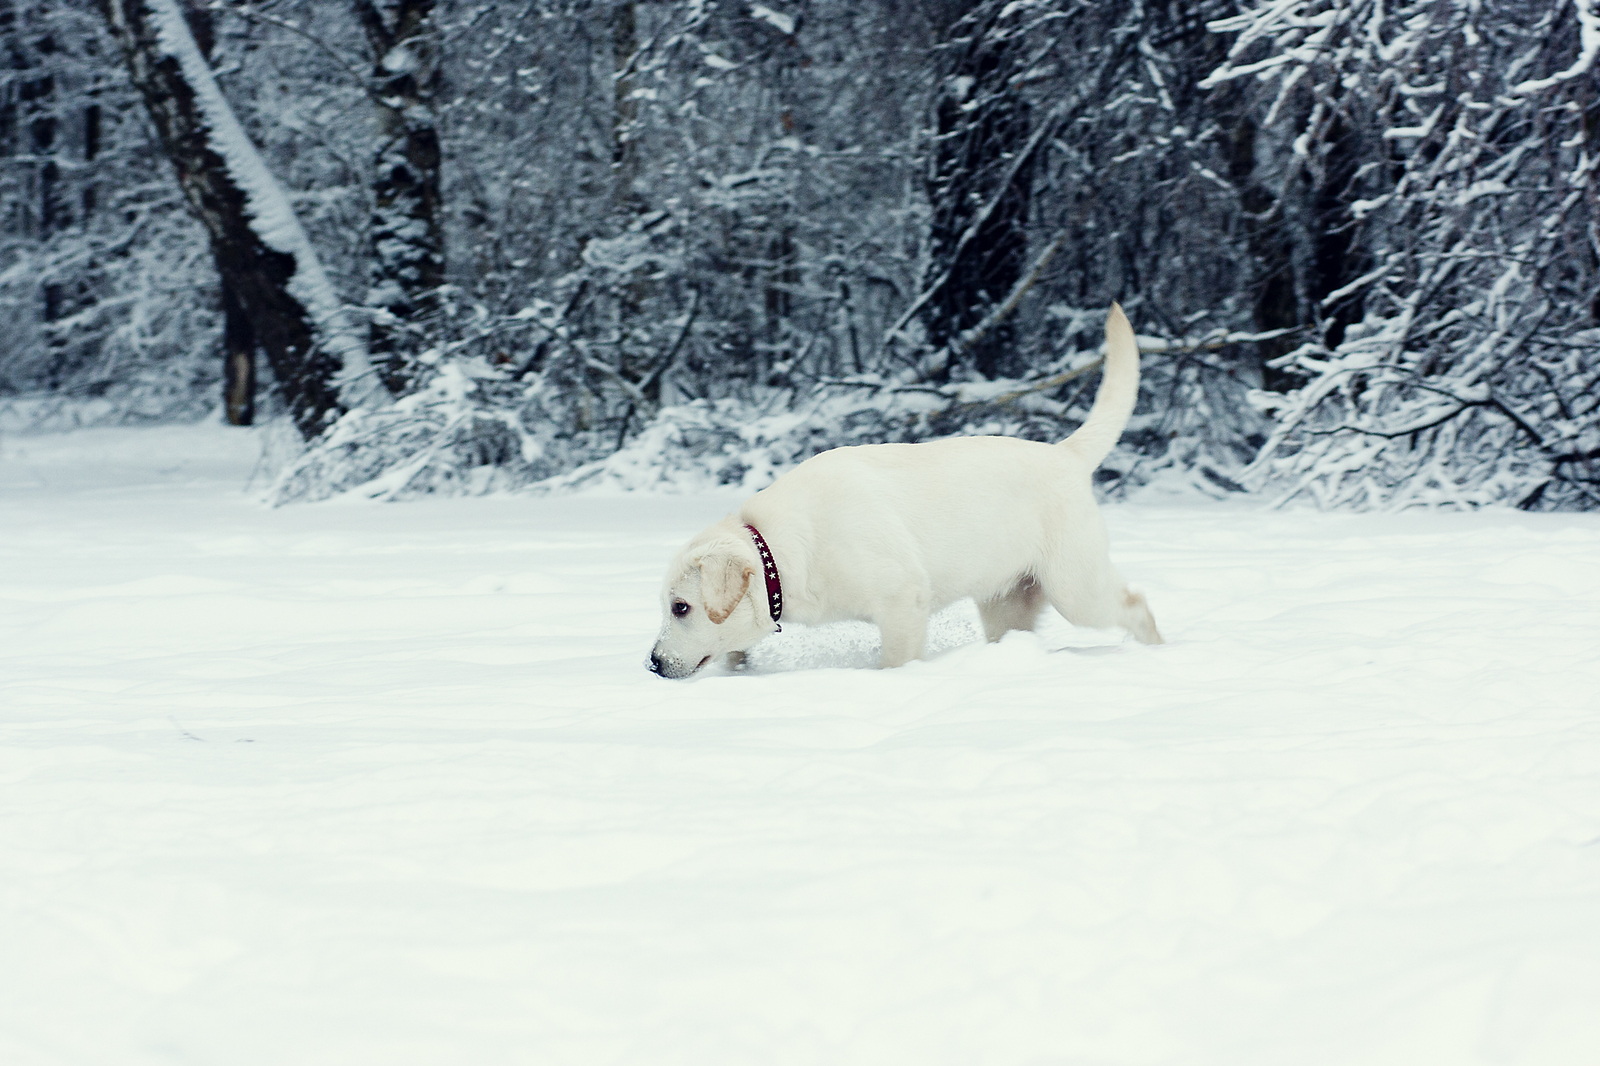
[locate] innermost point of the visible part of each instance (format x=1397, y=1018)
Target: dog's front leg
x=903, y=622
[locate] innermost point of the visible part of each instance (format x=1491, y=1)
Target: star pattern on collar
x=769, y=570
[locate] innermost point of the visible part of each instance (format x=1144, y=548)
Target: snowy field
x=362, y=783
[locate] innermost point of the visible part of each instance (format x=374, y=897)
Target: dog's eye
x=679, y=608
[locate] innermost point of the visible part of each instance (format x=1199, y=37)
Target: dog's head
x=707, y=609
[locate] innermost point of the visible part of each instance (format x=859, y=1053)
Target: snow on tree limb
x=1469, y=377
x=1589, y=36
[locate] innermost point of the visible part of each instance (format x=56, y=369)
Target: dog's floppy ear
x=724, y=579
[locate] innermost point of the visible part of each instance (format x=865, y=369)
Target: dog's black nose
x=655, y=663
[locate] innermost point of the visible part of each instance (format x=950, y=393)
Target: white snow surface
x=389, y=783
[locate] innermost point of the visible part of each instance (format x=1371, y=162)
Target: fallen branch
x=532, y=362
x=654, y=377
x=1211, y=341
x=966, y=340
x=1147, y=346
x=616, y=375
x=1042, y=385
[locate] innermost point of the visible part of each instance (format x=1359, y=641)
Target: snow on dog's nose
x=673, y=666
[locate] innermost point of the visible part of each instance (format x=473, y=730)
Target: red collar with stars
x=769, y=570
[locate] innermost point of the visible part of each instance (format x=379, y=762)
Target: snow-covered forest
x=461, y=245
x=292, y=775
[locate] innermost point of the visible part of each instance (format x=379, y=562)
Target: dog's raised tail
x=1119, y=388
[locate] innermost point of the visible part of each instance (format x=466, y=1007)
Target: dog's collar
x=769, y=570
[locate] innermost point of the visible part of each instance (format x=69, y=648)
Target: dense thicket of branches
x=1464, y=139
x=705, y=238
x=105, y=283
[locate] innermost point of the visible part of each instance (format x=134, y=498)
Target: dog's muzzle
x=673, y=668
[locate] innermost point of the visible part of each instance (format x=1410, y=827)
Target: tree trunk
x=238, y=338
x=624, y=109
x=238, y=361
x=39, y=97
x=977, y=236
x=92, y=114
x=407, y=241
x=1276, y=304
x=1336, y=259
x=262, y=255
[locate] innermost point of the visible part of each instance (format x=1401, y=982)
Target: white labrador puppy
x=890, y=533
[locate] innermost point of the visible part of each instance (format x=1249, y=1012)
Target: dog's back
x=972, y=514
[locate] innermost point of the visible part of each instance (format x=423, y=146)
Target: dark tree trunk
x=783, y=253
x=38, y=98
x=40, y=108
x=1336, y=259
x=253, y=274
x=407, y=240
x=15, y=60
x=238, y=337
x=1179, y=26
x=625, y=109
x=92, y=114
x=238, y=361
x=1276, y=304
x=978, y=191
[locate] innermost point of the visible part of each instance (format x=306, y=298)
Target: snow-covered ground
x=363, y=783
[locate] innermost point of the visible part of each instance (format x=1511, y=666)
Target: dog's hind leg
x=1016, y=608
x=1100, y=600
x=1137, y=619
